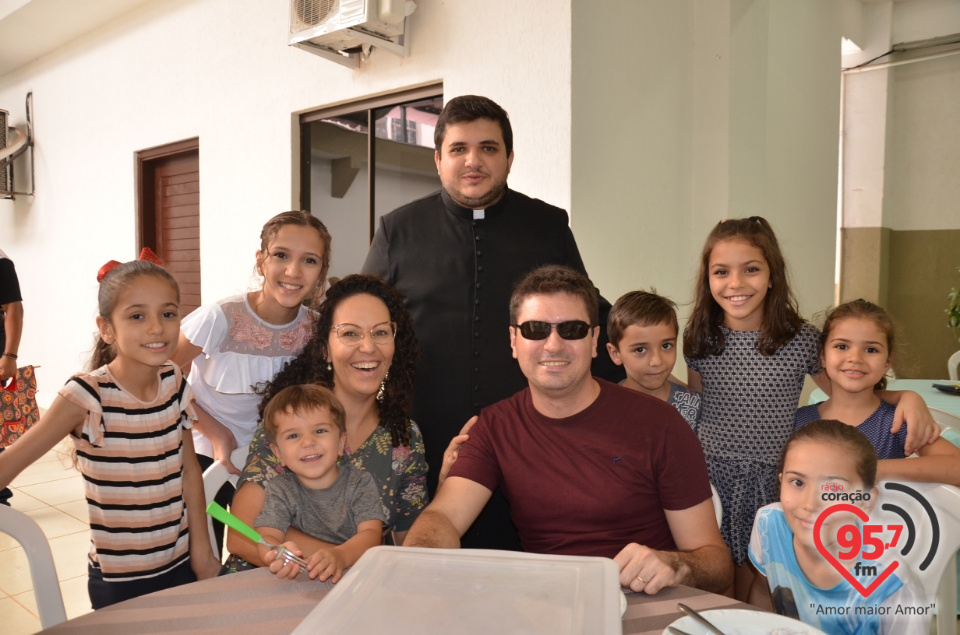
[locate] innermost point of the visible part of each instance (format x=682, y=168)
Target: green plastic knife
x=231, y=521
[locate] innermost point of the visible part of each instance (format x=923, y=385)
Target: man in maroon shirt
x=588, y=467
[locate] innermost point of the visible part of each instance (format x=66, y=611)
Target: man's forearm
x=13, y=326
x=709, y=568
x=433, y=529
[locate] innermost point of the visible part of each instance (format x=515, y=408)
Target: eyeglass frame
x=364, y=332
x=555, y=326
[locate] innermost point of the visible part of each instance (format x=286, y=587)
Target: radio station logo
x=867, y=542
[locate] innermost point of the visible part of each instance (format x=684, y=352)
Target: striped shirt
x=130, y=456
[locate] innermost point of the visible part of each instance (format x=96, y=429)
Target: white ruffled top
x=240, y=351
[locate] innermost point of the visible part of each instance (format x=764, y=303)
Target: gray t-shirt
x=331, y=514
x=687, y=402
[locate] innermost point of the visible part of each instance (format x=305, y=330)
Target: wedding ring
x=641, y=579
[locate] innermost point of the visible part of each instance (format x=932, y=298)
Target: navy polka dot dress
x=749, y=403
x=876, y=428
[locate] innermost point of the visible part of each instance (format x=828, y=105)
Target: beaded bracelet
x=10, y=355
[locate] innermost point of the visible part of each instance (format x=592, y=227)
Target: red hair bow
x=145, y=254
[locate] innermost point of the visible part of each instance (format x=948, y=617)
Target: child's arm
x=247, y=505
x=222, y=439
x=938, y=462
x=452, y=453
x=268, y=555
x=62, y=418
x=206, y=424
x=694, y=381
x=186, y=352
x=822, y=382
x=759, y=594
x=330, y=563
x=202, y=560
x=923, y=430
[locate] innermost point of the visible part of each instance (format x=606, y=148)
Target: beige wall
x=923, y=268
x=901, y=194
x=687, y=112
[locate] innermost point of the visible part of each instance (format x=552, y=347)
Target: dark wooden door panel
x=170, y=214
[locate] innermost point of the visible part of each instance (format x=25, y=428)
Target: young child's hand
x=205, y=566
x=452, y=453
x=923, y=429
x=281, y=567
x=326, y=563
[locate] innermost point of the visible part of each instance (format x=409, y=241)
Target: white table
x=257, y=603
x=924, y=387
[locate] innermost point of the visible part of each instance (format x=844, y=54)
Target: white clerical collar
x=478, y=214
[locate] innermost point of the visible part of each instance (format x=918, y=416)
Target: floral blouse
x=399, y=472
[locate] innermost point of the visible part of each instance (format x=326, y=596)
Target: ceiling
x=29, y=29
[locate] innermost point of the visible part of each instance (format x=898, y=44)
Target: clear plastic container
x=400, y=590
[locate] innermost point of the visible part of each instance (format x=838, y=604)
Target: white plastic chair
x=946, y=420
x=214, y=478
x=939, y=579
x=717, y=505
x=953, y=367
x=950, y=430
x=43, y=572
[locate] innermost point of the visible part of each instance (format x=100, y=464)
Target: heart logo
x=862, y=515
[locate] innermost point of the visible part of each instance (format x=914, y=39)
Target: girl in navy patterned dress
x=748, y=351
x=857, y=346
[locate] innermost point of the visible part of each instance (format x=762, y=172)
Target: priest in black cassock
x=454, y=256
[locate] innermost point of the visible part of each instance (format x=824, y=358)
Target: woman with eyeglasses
x=364, y=349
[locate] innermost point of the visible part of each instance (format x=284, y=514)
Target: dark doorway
x=169, y=212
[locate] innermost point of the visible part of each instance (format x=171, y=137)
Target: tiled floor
x=51, y=492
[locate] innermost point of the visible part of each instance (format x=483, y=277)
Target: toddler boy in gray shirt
x=337, y=504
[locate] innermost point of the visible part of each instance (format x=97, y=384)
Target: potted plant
x=953, y=310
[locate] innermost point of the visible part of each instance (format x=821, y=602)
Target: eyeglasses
x=352, y=335
x=572, y=330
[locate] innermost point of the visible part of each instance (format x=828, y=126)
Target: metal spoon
x=699, y=618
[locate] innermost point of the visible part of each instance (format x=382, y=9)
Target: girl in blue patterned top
x=365, y=350
x=857, y=349
x=748, y=351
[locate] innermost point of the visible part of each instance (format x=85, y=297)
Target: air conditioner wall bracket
x=24, y=145
x=351, y=60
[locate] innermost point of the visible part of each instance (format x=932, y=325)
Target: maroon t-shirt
x=592, y=483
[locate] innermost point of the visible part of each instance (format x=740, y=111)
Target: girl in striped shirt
x=127, y=419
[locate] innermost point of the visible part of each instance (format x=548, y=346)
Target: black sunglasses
x=572, y=330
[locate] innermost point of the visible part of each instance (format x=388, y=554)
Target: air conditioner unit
x=344, y=26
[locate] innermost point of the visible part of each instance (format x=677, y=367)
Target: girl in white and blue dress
x=748, y=351
x=796, y=578
x=231, y=347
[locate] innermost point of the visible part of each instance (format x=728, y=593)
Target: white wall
x=902, y=124
x=923, y=146
x=685, y=113
x=648, y=121
x=220, y=70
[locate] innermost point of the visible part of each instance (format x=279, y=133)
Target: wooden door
x=170, y=213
